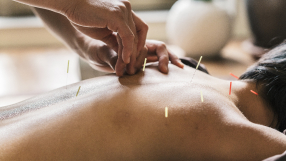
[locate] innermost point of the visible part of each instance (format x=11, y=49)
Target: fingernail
x=180, y=62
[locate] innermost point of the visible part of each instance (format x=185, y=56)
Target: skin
x=123, y=118
x=106, y=56
x=109, y=21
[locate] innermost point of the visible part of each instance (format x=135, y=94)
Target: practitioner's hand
x=102, y=19
x=158, y=51
x=96, y=53
x=154, y=51
x=103, y=58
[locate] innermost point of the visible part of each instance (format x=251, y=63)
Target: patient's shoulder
x=249, y=141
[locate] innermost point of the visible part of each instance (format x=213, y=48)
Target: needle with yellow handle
x=197, y=67
x=166, y=111
x=199, y=62
x=67, y=73
x=78, y=91
x=144, y=64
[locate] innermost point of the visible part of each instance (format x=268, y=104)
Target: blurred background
x=33, y=61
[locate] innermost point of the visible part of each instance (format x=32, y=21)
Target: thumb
x=103, y=34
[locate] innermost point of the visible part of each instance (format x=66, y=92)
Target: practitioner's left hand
x=158, y=51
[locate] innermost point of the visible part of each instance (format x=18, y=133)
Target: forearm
x=53, y=5
x=61, y=27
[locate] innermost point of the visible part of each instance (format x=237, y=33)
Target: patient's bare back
x=124, y=119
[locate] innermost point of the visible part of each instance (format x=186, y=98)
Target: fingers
x=152, y=58
x=141, y=29
x=125, y=27
x=106, y=55
x=163, y=57
x=97, y=54
x=159, y=49
x=103, y=34
x=141, y=58
x=175, y=60
x=127, y=37
x=130, y=69
x=108, y=17
x=103, y=19
x=120, y=65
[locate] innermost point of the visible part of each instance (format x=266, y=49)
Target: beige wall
x=30, y=32
x=241, y=25
x=11, y=8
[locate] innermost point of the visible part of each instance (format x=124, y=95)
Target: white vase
x=198, y=27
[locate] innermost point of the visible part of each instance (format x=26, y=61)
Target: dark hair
x=269, y=73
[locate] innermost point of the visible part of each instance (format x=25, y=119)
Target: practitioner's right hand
x=103, y=20
x=108, y=20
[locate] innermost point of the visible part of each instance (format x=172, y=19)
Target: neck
x=252, y=106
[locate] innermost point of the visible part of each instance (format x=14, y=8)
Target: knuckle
x=164, y=58
x=119, y=14
x=162, y=45
x=145, y=27
x=174, y=56
x=112, y=26
x=122, y=8
x=127, y=4
x=129, y=36
x=103, y=48
x=93, y=58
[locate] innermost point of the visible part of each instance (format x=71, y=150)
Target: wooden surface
x=233, y=59
x=36, y=70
